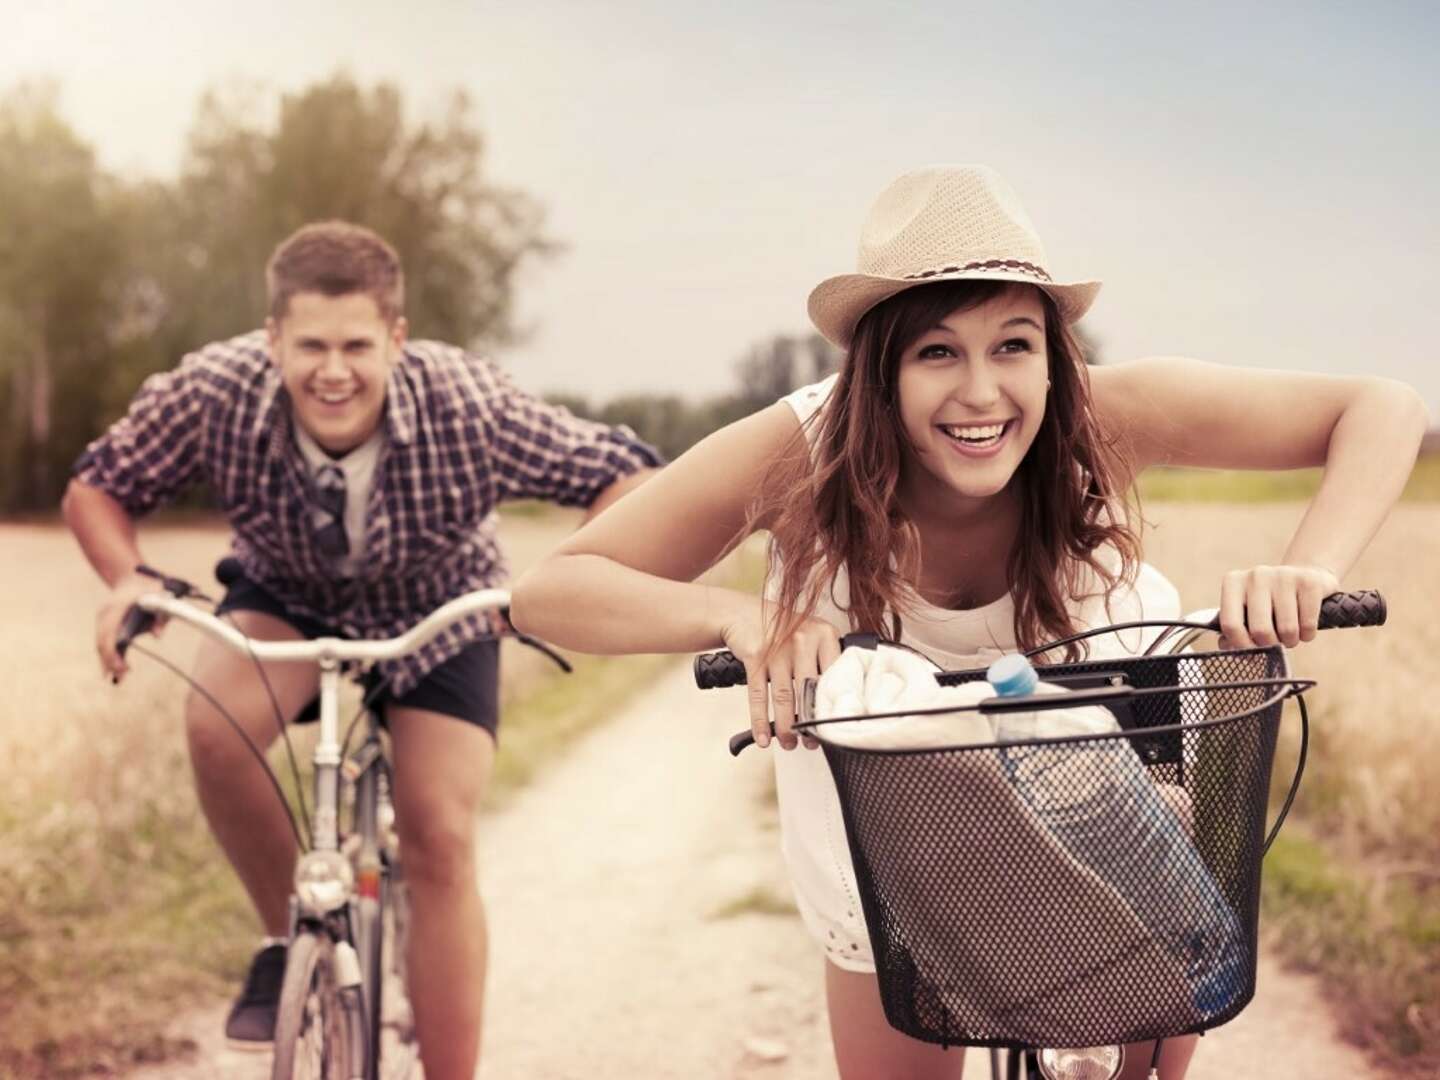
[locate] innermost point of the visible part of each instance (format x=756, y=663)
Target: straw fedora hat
x=941, y=223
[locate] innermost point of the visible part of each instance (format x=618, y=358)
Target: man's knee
x=213, y=739
x=437, y=842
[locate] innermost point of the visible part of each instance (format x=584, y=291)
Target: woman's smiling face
x=972, y=394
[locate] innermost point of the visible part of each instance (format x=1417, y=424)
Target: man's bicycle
x=1055, y=898
x=344, y=982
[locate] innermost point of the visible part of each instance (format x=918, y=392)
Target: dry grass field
x=108, y=869
x=1353, y=883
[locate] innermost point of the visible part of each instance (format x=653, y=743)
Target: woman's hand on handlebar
x=770, y=689
x=117, y=602
x=1269, y=604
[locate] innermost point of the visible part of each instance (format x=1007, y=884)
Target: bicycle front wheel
x=319, y=1027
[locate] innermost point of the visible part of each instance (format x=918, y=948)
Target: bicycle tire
x=310, y=993
x=370, y=939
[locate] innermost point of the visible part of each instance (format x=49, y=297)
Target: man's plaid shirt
x=460, y=439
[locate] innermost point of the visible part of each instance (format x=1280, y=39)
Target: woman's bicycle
x=1055, y=898
x=344, y=982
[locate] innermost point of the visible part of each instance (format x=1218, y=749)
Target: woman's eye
x=1016, y=345
x=935, y=352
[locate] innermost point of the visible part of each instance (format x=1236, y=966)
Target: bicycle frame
x=329, y=653
x=345, y=905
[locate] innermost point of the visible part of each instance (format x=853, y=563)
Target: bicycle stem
x=326, y=825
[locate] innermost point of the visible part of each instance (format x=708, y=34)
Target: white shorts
x=812, y=838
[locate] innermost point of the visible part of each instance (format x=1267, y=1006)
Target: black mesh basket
x=1075, y=891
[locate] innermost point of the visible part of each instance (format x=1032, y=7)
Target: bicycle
x=1110, y=961
x=348, y=913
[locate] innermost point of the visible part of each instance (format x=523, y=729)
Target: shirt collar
x=401, y=412
x=356, y=458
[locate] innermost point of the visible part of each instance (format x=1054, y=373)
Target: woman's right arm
x=625, y=583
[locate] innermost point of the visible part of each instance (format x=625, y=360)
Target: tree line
x=105, y=280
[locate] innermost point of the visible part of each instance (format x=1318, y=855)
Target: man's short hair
x=335, y=258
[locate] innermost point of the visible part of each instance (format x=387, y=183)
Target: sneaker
x=251, y=1023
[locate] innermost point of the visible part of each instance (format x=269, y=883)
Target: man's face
x=334, y=354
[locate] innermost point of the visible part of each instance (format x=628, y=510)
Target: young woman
x=961, y=485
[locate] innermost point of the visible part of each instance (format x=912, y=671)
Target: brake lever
x=138, y=621
x=540, y=647
x=507, y=629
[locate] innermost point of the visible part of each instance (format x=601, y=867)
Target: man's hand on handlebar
x=117, y=603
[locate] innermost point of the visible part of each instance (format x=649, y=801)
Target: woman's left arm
x=1365, y=431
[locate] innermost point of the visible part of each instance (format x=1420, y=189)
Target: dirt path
x=607, y=883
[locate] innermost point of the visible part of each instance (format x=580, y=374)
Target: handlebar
x=141, y=618
x=1365, y=607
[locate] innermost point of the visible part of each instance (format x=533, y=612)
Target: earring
x=1047, y=384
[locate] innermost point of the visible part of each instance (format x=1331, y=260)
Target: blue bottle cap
x=1013, y=676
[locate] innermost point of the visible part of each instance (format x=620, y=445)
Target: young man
x=360, y=473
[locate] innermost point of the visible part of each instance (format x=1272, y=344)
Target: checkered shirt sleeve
x=535, y=450
x=150, y=454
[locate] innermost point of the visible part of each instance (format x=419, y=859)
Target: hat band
x=988, y=264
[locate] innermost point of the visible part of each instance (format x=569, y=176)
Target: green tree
x=59, y=294
x=102, y=283
x=767, y=372
x=780, y=364
x=255, y=172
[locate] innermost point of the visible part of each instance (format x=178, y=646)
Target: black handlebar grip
x=718, y=669
x=1363, y=608
x=136, y=622
x=228, y=571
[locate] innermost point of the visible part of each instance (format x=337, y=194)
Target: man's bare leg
x=241, y=806
x=442, y=767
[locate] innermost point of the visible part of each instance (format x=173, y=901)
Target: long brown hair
x=835, y=505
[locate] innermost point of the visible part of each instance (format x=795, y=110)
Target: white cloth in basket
x=887, y=679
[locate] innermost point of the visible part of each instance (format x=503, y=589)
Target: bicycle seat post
x=327, y=757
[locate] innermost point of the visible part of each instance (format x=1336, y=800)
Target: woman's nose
x=980, y=388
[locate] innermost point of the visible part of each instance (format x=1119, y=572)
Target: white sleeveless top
x=811, y=829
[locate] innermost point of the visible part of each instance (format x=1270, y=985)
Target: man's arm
x=536, y=450
x=142, y=460
x=617, y=490
x=106, y=534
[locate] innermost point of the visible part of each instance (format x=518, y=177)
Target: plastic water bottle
x=1100, y=803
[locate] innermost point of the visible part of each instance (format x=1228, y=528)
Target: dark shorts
x=467, y=686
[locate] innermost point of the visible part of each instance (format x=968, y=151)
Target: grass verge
x=113, y=911
x=1372, y=934
x=760, y=900
x=1225, y=485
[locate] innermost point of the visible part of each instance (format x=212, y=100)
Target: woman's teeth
x=978, y=436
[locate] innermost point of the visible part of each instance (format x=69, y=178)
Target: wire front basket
x=1073, y=892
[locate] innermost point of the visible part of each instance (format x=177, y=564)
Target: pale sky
x=1254, y=183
